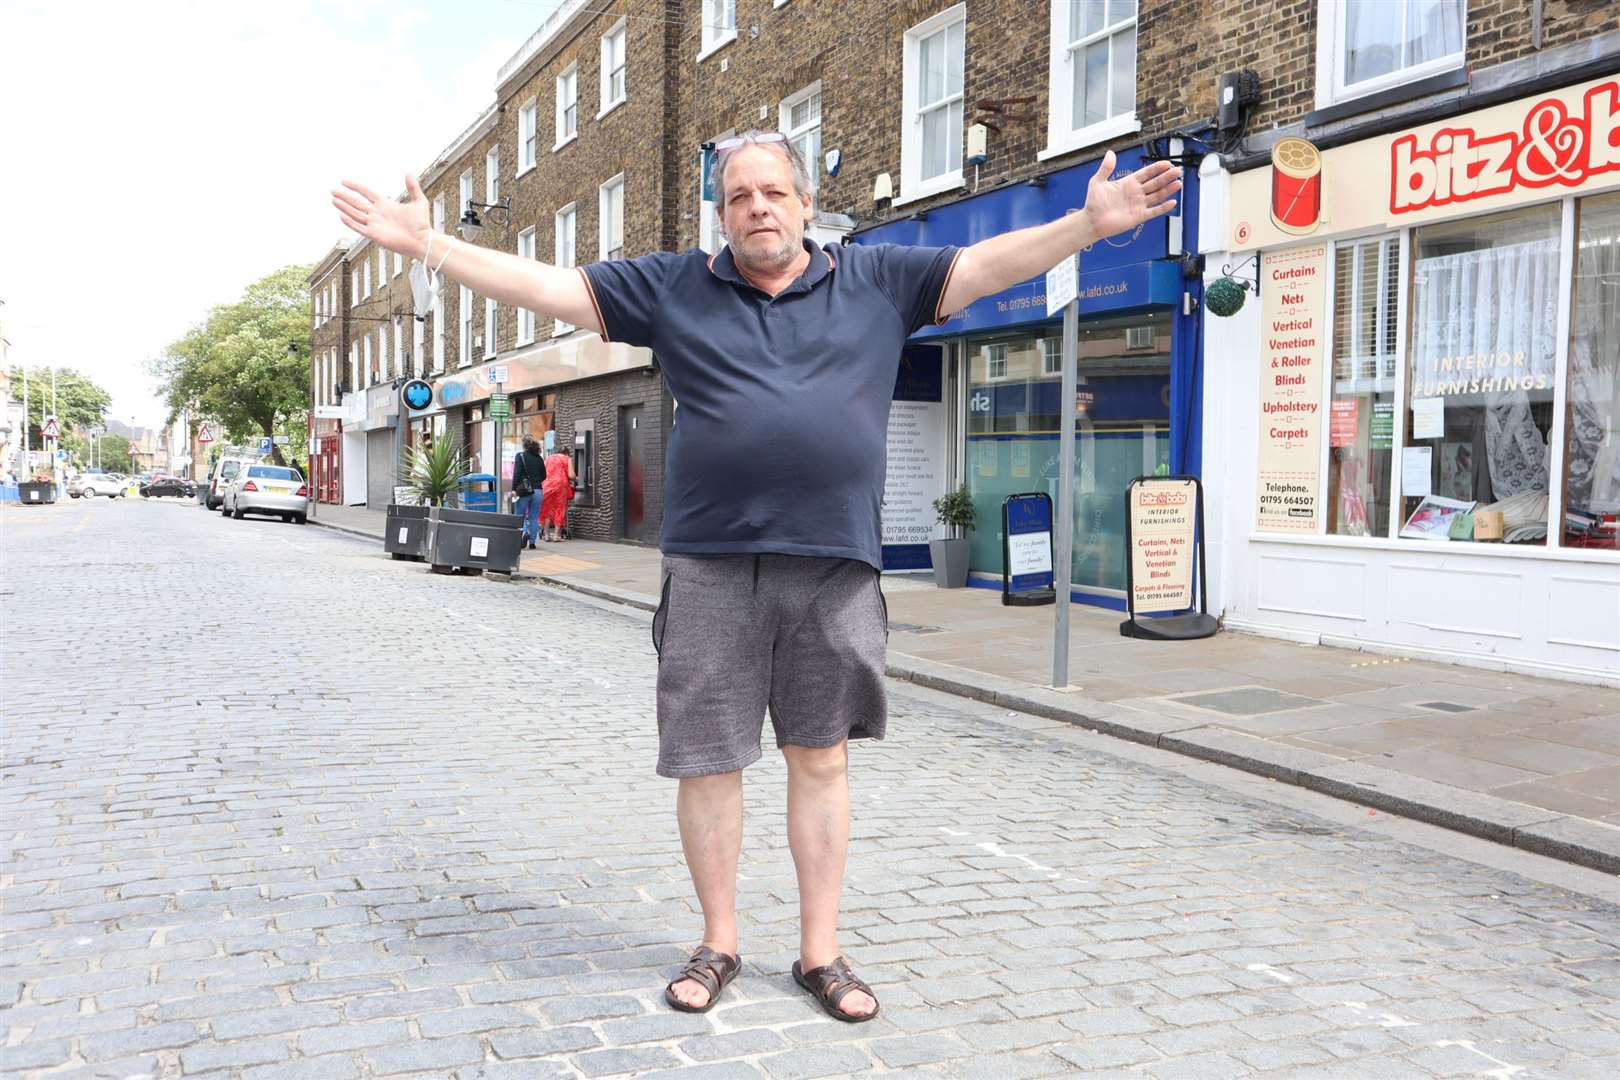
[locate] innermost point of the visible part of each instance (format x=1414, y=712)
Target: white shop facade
x=1412, y=432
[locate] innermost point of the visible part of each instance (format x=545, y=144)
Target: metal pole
x=25, y=462
x=500, y=388
x=1064, y=526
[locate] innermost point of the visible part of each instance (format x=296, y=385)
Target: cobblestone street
x=275, y=806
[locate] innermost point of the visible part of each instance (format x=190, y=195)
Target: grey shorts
x=739, y=635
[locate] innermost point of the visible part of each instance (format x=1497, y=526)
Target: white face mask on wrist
x=426, y=284
x=425, y=287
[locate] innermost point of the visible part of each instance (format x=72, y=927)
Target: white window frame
x=602, y=222
x=492, y=315
x=365, y=277
x=492, y=175
x=528, y=136
x=382, y=267
x=709, y=235
x=438, y=297
x=716, y=35
x=1330, y=88
x=609, y=101
x=354, y=367
x=1051, y=358
x=464, y=189
x=565, y=255
x=912, y=186
x=399, y=356
x=567, y=82
x=1062, y=137
x=991, y=357
x=399, y=263
x=365, y=350
x=784, y=115
x=382, y=352
x=525, y=318
x=354, y=288
x=464, y=313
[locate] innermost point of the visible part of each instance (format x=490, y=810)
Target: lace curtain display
x=1485, y=343
x=1592, y=481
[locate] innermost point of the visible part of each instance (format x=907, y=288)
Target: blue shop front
x=994, y=373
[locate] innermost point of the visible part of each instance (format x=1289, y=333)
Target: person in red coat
x=555, y=495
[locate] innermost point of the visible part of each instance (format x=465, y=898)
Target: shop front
x=326, y=453
x=1417, y=422
x=1137, y=377
x=556, y=391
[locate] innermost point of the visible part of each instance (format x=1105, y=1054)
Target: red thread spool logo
x=1296, y=186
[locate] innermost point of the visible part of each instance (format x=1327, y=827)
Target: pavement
x=323, y=814
x=1533, y=763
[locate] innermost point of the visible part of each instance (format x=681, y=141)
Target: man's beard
x=773, y=261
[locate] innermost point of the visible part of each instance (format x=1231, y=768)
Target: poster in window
x=1292, y=284
x=1343, y=421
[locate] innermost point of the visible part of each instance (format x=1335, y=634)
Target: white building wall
x=1504, y=607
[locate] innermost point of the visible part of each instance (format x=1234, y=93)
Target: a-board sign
x=1164, y=549
x=1026, y=549
x=1164, y=536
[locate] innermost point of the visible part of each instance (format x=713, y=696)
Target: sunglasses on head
x=726, y=146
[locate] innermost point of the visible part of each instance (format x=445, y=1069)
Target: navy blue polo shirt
x=780, y=440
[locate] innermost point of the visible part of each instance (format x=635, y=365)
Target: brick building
x=1415, y=441
x=328, y=372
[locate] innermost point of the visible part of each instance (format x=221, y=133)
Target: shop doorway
x=632, y=474
x=325, y=469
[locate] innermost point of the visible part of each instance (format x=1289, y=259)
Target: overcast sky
x=160, y=156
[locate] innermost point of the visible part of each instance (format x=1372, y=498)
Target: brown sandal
x=711, y=970
x=831, y=984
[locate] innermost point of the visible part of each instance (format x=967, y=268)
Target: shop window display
x=1479, y=405
x=1361, y=418
x=1592, y=421
x=1122, y=431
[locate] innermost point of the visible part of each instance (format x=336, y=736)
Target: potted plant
x=41, y=489
x=954, y=509
x=470, y=541
x=433, y=476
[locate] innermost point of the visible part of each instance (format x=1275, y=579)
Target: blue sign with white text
x=1117, y=274
x=1028, y=520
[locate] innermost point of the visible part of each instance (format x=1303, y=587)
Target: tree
x=79, y=402
x=235, y=365
x=112, y=454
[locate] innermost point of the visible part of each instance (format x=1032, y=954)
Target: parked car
x=267, y=489
x=225, y=471
x=168, y=485
x=89, y=484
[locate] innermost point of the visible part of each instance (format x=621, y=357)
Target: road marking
x=995, y=849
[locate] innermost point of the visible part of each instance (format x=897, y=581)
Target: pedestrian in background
x=528, y=474
x=557, y=492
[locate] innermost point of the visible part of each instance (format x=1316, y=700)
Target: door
x=631, y=475
x=326, y=471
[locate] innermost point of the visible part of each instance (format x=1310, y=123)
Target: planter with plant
x=433, y=476
x=954, y=510
x=466, y=541
x=38, y=491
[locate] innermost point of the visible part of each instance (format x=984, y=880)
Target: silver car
x=267, y=489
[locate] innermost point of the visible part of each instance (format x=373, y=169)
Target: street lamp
x=470, y=226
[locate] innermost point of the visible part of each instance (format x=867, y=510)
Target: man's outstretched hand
x=397, y=226
x=1114, y=206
